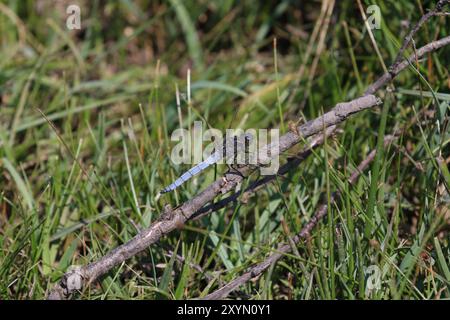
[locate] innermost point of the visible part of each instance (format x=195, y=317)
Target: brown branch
x=285, y=248
x=407, y=41
x=389, y=76
x=75, y=280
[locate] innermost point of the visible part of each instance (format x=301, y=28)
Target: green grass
x=81, y=177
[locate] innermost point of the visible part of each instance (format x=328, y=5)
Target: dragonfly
x=227, y=150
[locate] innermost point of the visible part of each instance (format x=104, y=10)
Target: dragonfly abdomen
x=191, y=172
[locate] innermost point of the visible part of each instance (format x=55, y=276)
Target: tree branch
x=407, y=41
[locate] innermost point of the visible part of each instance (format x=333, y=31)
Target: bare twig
x=279, y=253
x=434, y=12
x=387, y=77
x=77, y=279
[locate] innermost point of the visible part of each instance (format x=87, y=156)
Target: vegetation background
x=84, y=180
